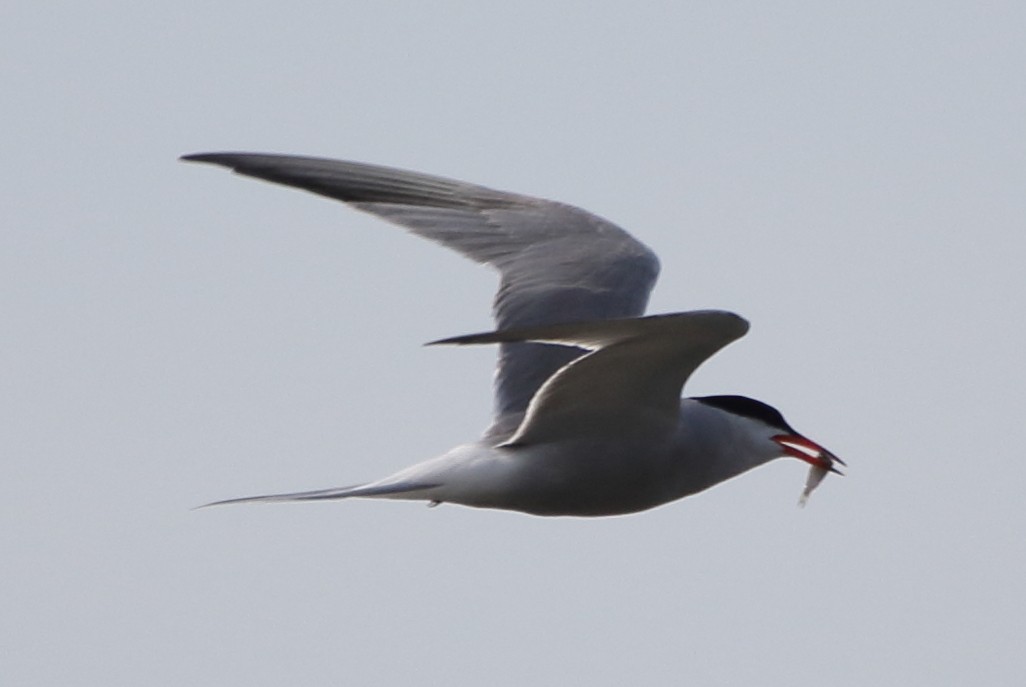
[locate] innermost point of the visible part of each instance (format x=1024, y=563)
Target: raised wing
x=632, y=379
x=557, y=263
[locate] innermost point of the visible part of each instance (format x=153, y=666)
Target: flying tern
x=588, y=415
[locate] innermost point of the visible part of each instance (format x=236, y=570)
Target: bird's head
x=773, y=437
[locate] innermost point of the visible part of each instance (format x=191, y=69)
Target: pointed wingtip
x=214, y=158
x=226, y=502
x=465, y=339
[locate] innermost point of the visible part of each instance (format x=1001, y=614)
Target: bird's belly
x=591, y=479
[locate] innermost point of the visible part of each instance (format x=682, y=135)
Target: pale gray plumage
x=631, y=381
x=574, y=433
x=552, y=258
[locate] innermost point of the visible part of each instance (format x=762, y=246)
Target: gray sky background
x=848, y=176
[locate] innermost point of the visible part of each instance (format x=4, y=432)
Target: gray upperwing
x=631, y=381
x=557, y=263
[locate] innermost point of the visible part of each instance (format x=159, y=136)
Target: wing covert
x=631, y=381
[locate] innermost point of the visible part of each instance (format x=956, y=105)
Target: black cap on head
x=748, y=407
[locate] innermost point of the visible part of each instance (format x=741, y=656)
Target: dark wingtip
x=466, y=339
x=215, y=158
